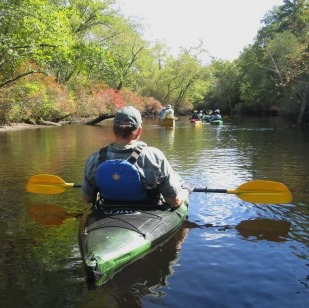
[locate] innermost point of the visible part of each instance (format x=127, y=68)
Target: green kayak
x=216, y=122
x=114, y=236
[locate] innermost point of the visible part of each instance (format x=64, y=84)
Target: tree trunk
x=99, y=119
x=230, y=103
x=49, y=123
x=64, y=117
x=303, y=106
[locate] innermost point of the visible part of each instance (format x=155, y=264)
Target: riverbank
x=21, y=126
x=18, y=126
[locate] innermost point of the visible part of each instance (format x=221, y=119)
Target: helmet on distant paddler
x=168, y=107
x=217, y=111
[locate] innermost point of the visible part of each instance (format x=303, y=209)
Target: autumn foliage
x=35, y=97
x=39, y=97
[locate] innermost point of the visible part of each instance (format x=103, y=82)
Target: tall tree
x=284, y=43
x=127, y=52
x=223, y=89
x=86, y=19
x=175, y=81
x=31, y=32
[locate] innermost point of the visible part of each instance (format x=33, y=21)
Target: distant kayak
x=216, y=122
x=196, y=121
x=167, y=122
x=206, y=118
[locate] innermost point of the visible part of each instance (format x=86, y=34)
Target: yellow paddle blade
x=259, y=191
x=47, y=184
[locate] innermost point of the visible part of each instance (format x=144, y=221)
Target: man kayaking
x=215, y=116
x=129, y=170
x=166, y=113
x=195, y=115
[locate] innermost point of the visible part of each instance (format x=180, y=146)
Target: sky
x=225, y=26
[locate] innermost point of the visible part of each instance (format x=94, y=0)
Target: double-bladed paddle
x=48, y=184
x=258, y=191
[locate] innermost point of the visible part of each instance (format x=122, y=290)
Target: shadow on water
x=48, y=214
x=264, y=229
x=254, y=229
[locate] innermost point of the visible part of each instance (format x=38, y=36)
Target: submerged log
x=49, y=123
x=64, y=117
x=99, y=119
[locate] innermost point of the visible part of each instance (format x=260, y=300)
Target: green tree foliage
x=88, y=53
x=275, y=69
x=223, y=88
x=31, y=32
x=127, y=51
x=175, y=79
x=257, y=85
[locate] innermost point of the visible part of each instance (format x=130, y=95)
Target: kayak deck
x=167, y=122
x=111, y=238
x=216, y=122
x=196, y=121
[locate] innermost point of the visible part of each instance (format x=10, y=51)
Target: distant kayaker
x=149, y=176
x=195, y=115
x=215, y=116
x=207, y=115
x=166, y=113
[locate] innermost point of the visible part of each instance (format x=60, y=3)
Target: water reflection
x=264, y=229
x=168, y=135
x=253, y=229
x=48, y=214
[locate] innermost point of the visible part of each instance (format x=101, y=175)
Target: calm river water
x=229, y=253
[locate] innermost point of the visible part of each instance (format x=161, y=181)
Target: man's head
x=129, y=117
x=126, y=121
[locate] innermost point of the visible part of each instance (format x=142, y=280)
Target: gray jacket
x=154, y=169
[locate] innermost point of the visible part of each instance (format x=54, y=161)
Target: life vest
x=195, y=116
x=215, y=117
x=169, y=114
x=119, y=180
x=161, y=114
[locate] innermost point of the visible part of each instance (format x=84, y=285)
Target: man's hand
x=188, y=187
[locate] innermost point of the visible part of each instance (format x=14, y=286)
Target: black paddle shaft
x=207, y=190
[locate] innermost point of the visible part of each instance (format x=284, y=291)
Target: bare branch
x=20, y=76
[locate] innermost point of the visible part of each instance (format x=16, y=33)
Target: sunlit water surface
x=230, y=253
